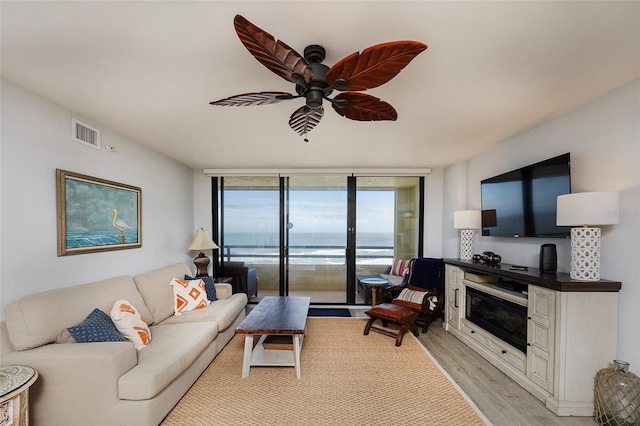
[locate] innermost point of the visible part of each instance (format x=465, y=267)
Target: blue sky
x=310, y=211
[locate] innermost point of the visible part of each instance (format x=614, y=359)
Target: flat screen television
x=522, y=202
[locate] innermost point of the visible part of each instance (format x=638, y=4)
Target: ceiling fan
x=315, y=81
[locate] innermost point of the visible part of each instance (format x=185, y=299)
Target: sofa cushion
x=170, y=353
x=223, y=312
x=96, y=327
x=129, y=323
x=42, y=318
x=156, y=291
x=209, y=285
x=223, y=291
x=188, y=295
x=393, y=279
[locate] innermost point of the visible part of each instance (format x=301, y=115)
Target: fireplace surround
x=570, y=327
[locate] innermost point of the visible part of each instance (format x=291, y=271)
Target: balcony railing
x=240, y=252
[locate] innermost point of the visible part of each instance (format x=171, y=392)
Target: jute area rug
x=347, y=379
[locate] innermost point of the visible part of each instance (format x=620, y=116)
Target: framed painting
x=96, y=215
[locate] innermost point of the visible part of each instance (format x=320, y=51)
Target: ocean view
x=308, y=247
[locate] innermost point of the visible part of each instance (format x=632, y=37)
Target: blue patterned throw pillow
x=97, y=327
x=209, y=286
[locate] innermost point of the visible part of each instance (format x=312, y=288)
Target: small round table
x=15, y=381
x=374, y=283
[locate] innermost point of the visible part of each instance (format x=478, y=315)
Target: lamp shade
x=202, y=241
x=467, y=219
x=588, y=208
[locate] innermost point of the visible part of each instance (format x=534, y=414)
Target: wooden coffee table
x=274, y=317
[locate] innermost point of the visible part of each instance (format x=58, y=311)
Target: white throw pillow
x=415, y=296
x=130, y=324
x=188, y=295
x=412, y=296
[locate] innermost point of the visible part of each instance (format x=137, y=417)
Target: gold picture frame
x=96, y=215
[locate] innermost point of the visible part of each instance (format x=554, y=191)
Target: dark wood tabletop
x=277, y=315
x=527, y=275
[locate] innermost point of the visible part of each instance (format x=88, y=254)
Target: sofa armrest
x=5, y=343
x=223, y=290
x=62, y=366
x=89, y=362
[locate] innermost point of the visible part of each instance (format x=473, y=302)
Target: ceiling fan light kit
x=315, y=81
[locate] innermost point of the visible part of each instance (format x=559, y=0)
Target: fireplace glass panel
x=502, y=318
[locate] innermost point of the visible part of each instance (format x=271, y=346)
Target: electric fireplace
x=502, y=318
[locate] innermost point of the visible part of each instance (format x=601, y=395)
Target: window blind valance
x=319, y=172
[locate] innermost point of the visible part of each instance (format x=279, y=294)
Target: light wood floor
x=499, y=398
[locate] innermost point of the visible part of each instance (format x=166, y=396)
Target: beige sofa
x=112, y=383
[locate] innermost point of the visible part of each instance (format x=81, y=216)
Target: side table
x=373, y=283
x=15, y=381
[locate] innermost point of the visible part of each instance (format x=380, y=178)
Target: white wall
x=36, y=139
x=202, y=206
x=433, y=220
x=603, y=138
x=202, y=200
x=455, y=188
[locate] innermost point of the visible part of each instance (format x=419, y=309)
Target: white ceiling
x=148, y=70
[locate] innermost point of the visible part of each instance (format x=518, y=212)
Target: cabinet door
x=540, y=336
x=453, y=276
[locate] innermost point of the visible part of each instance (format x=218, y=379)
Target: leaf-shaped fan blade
x=275, y=55
x=304, y=119
x=249, y=99
x=375, y=65
x=363, y=107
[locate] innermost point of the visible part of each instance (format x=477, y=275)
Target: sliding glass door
x=313, y=235
x=250, y=229
x=316, y=237
x=387, y=224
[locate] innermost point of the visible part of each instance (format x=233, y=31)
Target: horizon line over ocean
x=307, y=247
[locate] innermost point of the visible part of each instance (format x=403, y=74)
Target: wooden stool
x=395, y=314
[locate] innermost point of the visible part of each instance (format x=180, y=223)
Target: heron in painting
x=119, y=224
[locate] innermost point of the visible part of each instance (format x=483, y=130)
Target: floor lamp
x=202, y=241
x=582, y=210
x=467, y=221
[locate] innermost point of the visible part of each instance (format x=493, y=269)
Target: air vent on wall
x=85, y=134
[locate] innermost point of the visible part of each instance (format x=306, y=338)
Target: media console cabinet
x=547, y=332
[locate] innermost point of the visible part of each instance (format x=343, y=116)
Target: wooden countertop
x=557, y=281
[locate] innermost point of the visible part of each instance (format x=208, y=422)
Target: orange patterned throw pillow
x=188, y=295
x=130, y=324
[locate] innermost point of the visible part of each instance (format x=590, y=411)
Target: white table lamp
x=202, y=241
x=467, y=221
x=582, y=210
